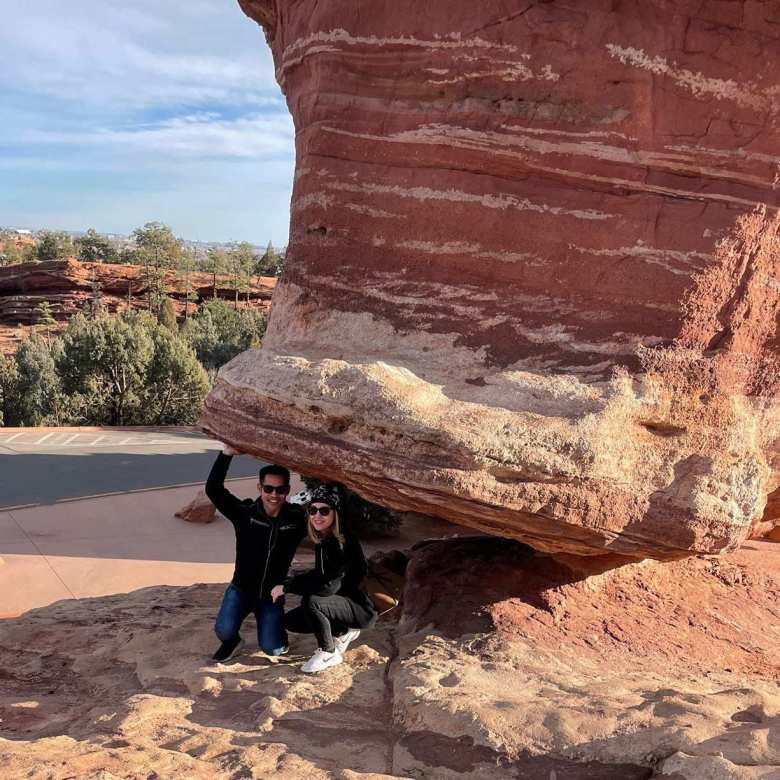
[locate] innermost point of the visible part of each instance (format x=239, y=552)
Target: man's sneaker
x=343, y=642
x=322, y=660
x=276, y=653
x=228, y=649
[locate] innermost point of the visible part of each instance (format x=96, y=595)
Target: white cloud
x=200, y=135
x=106, y=54
x=248, y=137
x=115, y=112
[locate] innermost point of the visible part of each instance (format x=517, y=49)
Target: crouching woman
x=333, y=606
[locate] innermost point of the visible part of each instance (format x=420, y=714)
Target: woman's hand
x=277, y=592
x=228, y=450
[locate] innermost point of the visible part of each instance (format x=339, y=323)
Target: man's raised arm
x=228, y=504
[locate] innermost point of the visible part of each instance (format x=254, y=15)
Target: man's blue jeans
x=271, y=635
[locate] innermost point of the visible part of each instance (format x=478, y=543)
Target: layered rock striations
x=531, y=283
x=68, y=285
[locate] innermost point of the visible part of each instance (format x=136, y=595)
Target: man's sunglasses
x=282, y=490
x=323, y=510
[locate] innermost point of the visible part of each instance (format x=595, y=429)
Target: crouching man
x=268, y=531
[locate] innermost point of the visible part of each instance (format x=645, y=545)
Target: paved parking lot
x=45, y=467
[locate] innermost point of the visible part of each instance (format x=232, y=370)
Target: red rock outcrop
x=531, y=283
x=199, y=510
x=67, y=285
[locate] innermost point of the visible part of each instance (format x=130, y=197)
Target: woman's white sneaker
x=345, y=640
x=322, y=660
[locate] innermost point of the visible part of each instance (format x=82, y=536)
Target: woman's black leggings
x=326, y=617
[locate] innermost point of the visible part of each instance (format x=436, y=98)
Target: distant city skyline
x=113, y=115
x=37, y=230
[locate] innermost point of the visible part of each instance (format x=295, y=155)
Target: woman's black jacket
x=338, y=570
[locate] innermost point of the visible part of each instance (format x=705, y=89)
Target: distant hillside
x=68, y=285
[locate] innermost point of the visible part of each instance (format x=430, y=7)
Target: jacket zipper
x=267, y=557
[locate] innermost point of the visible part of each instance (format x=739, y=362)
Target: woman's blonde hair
x=334, y=528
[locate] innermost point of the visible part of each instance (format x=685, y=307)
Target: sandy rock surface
x=503, y=665
x=504, y=214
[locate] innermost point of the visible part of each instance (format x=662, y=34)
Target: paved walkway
x=110, y=544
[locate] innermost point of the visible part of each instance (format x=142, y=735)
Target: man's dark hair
x=276, y=471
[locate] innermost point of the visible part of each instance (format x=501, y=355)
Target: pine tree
x=44, y=318
x=167, y=315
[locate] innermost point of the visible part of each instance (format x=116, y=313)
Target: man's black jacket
x=265, y=546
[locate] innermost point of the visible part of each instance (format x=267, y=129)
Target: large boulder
x=531, y=280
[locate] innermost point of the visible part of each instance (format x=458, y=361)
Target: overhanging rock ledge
x=531, y=279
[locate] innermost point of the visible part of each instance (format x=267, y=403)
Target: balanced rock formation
x=531, y=284
x=67, y=285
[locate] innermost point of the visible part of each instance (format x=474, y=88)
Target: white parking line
x=11, y=438
x=99, y=438
x=43, y=439
x=70, y=439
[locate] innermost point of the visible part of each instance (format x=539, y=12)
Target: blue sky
x=118, y=112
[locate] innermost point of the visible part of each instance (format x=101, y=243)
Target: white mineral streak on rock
x=734, y=154
x=654, y=256
x=369, y=211
x=465, y=248
x=747, y=95
x=368, y=334
x=515, y=128
x=464, y=301
x=638, y=186
x=513, y=70
x=320, y=199
x=447, y=42
x=490, y=141
x=564, y=336
x=427, y=295
x=502, y=202
x=495, y=143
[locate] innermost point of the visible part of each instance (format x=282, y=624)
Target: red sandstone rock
x=629, y=666
x=199, y=510
x=768, y=528
x=503, y=214
x=68, y=284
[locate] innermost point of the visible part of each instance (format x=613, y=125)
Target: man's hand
x=277, y=592
x=228, y=450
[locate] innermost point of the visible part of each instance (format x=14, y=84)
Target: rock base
x=504, y=664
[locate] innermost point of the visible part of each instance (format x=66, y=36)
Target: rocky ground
x=501, y=664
